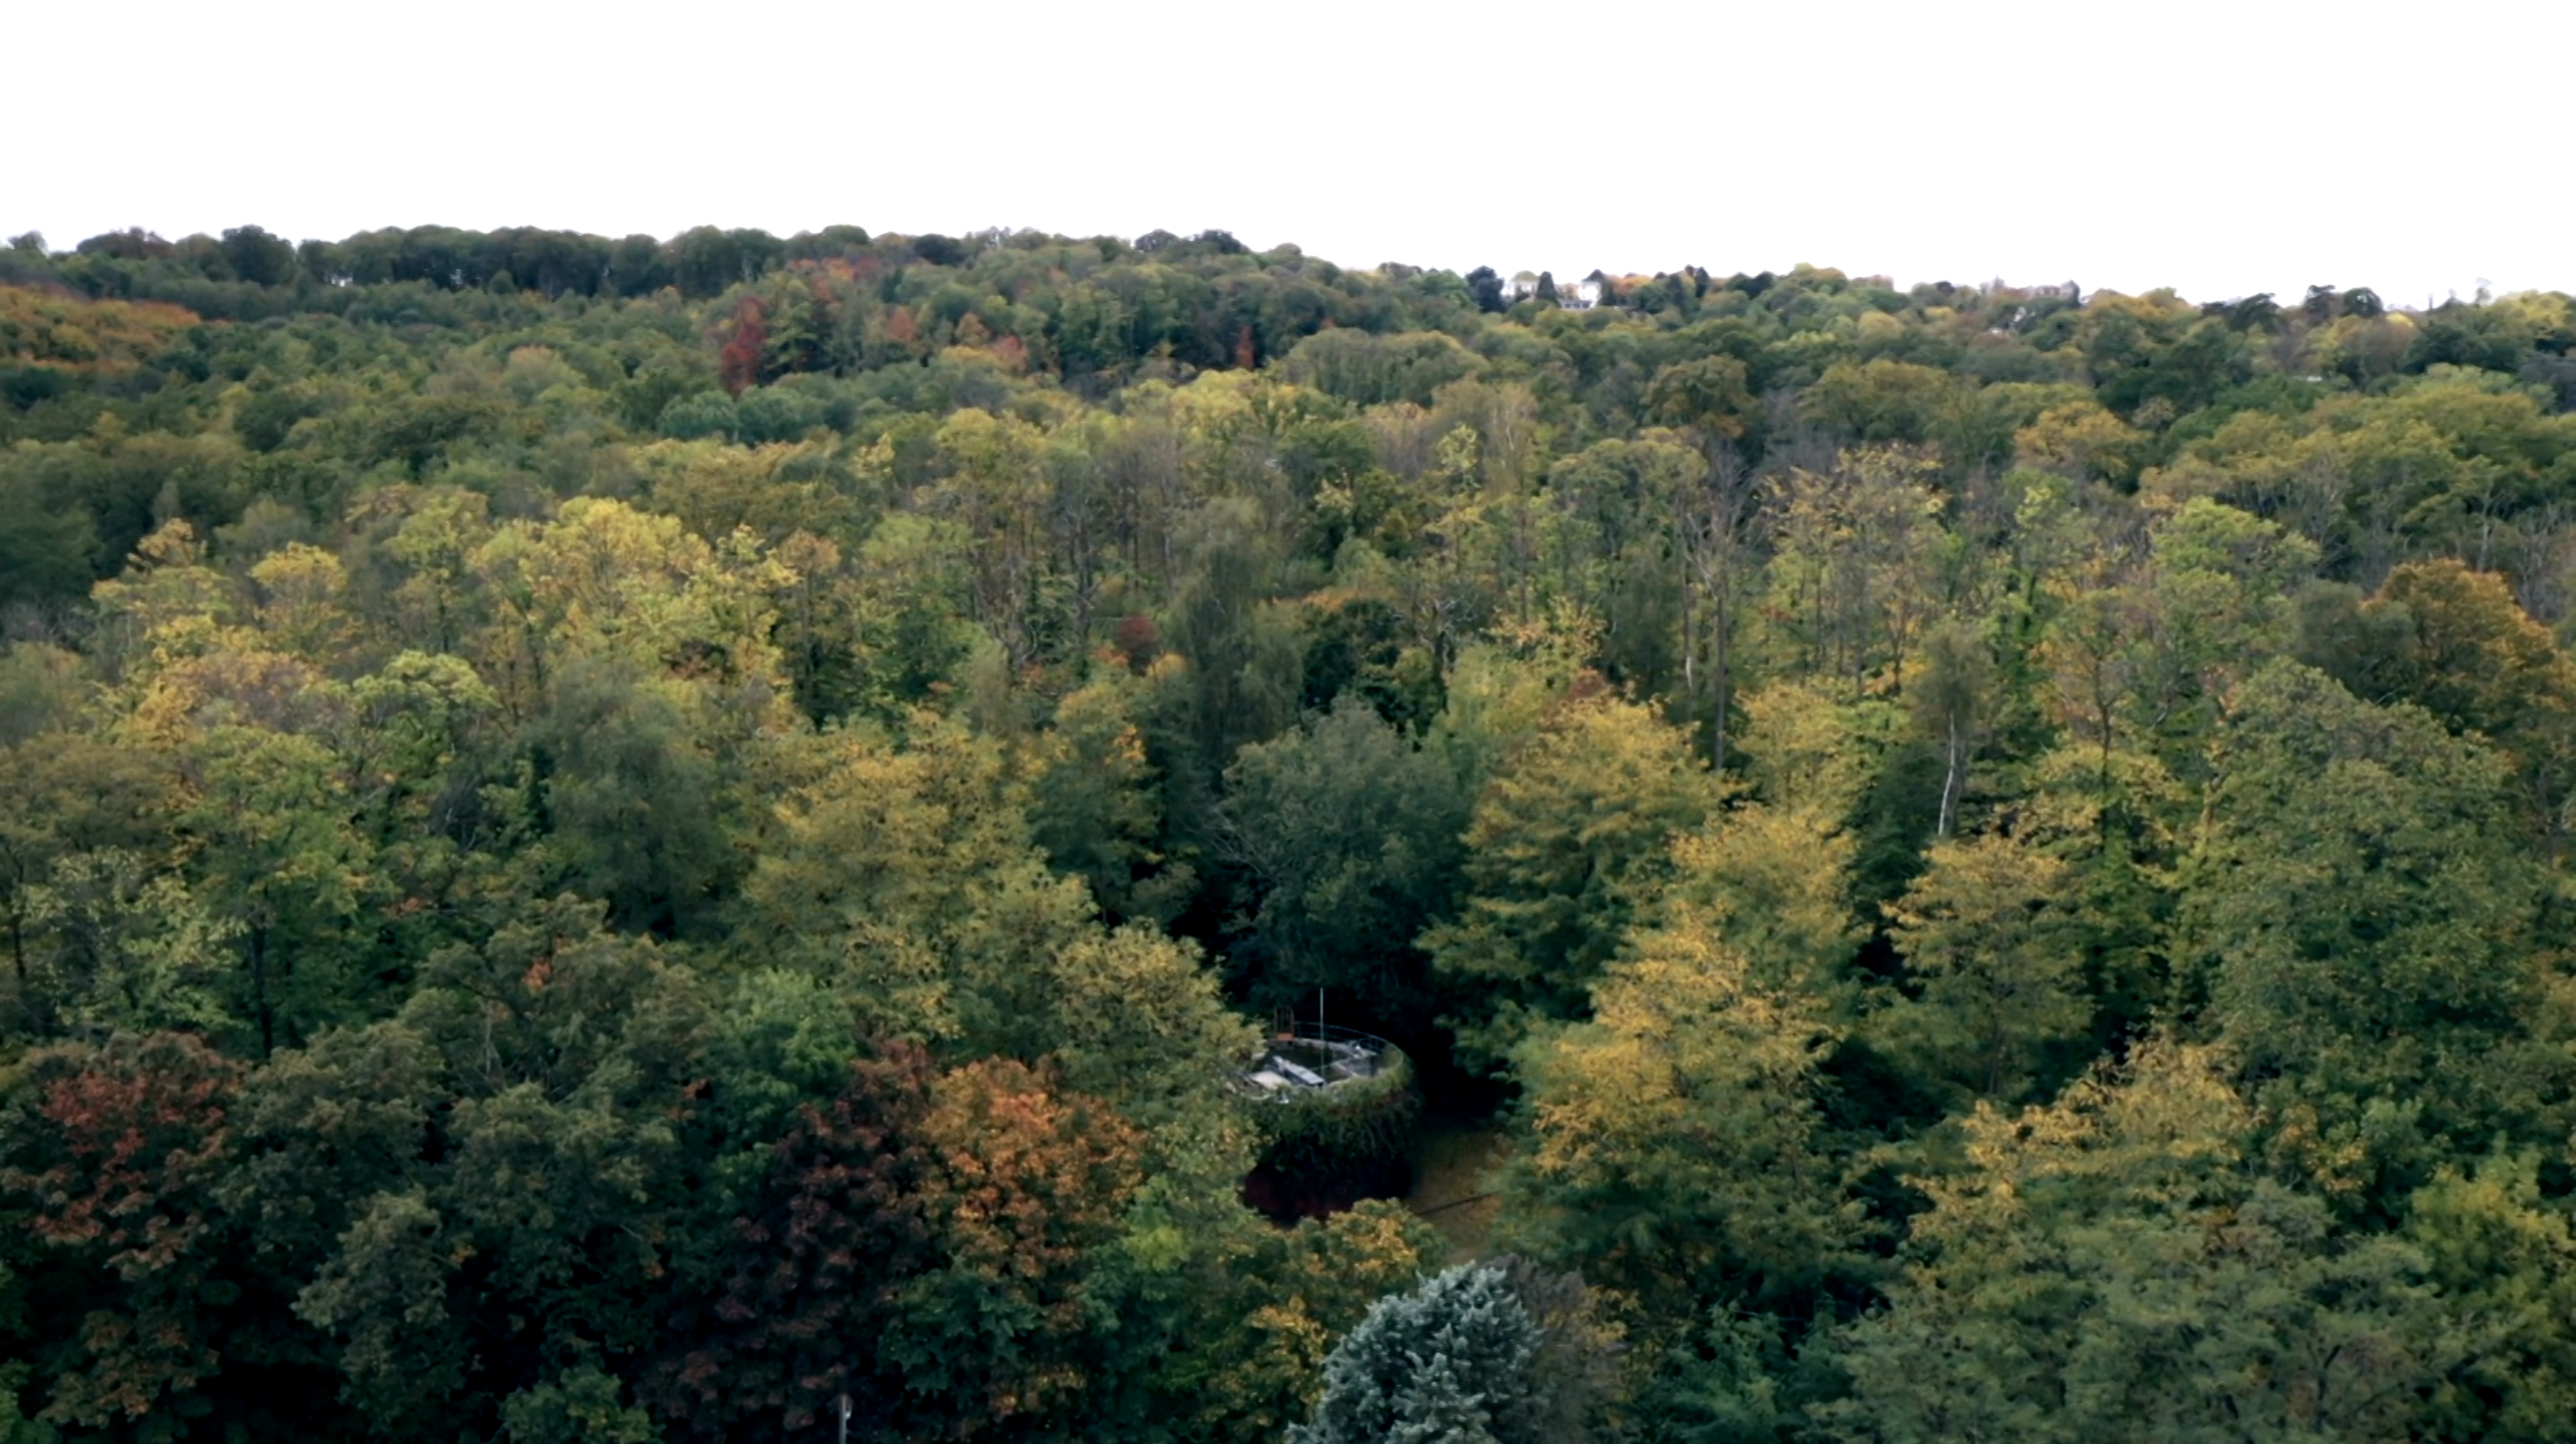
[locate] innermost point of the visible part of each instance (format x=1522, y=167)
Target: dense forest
x=628, y=840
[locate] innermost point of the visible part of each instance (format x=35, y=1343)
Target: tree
x=1713, y=524
x=814, y=1275
x=1674, y=1147
x=1349, y=831
x=1950, y=703
x=922, y=1249
x=255, y=256
x=1614, y=547
x=1851, y=576
x=74, y=793
x=2114, y=1266
x=993, y=485
x=1258, y=1325
x=284, y=869
x=2464, y=650
x=115, y=1150
x=2359, y=912
x=904, y=875
x=629, y=800
x=1773, y=882
x=1446, y=1363
x=332, y=1192
x=1994, y=959
x=1243, y=662
x=2213, y=609
x=1878, y=401
x=1096, y=801
x=1708, y=395
x=2500, y=1258
x=1568, y=843
x=1030, y=1183
x=134, y=950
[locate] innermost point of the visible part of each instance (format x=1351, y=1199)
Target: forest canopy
x=666, y=839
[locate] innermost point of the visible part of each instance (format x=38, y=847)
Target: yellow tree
x=1673, y=1151
x=1852, y=575
x=1995, y=1004
x=2114, y=1266
x=2473, y=658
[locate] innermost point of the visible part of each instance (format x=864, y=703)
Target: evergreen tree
x=1446, y=1363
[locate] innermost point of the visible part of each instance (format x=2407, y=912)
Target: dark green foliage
x=1355, y=1133
x=1348, y=833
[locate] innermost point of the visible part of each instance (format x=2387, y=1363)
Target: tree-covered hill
x=629, y=839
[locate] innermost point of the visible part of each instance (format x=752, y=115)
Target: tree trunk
x=1955, y=781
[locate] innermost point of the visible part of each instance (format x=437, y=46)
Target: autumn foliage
x=127, y=1143
x=80, y=335
x=616, y=841
x=923, y=1251
x=739, y=360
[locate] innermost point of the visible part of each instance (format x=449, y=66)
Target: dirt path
x=1453, y=1183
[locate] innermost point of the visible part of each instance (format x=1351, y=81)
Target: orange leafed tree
x=738, y=363
x=924, y=1252
x=120, y=1160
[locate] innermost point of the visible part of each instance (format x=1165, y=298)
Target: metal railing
x=1310, y=1056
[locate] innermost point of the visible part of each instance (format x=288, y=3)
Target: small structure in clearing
x=1303, y=1057
x=1337, y=1115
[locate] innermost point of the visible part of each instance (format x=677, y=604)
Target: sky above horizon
x=2217, y=148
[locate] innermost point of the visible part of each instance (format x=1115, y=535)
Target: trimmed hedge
x=1357, y=1130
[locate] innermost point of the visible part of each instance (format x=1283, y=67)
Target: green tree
x=1096, y=801
x=133, y=951
x=2498, y=1254
x=1952, y=706
x=1994, y=961
x=1569, y=842
x=1349, y=831
x=2359, y=911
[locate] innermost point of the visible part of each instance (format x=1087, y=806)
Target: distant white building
x=1570, y=295
x=2045, y=292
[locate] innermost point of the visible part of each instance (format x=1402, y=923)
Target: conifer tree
x=1446, y=1363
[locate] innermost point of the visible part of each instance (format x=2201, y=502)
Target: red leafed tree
x=812, y=1275
x=119, y=1159
x=922, y=1252
x=1138, y=641
x=738, y=363
x=1245, y=354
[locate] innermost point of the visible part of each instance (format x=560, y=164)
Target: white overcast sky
x=2221, y=147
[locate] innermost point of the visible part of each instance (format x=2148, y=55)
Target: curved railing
x=1311, y=1058
x=1332, y=1104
